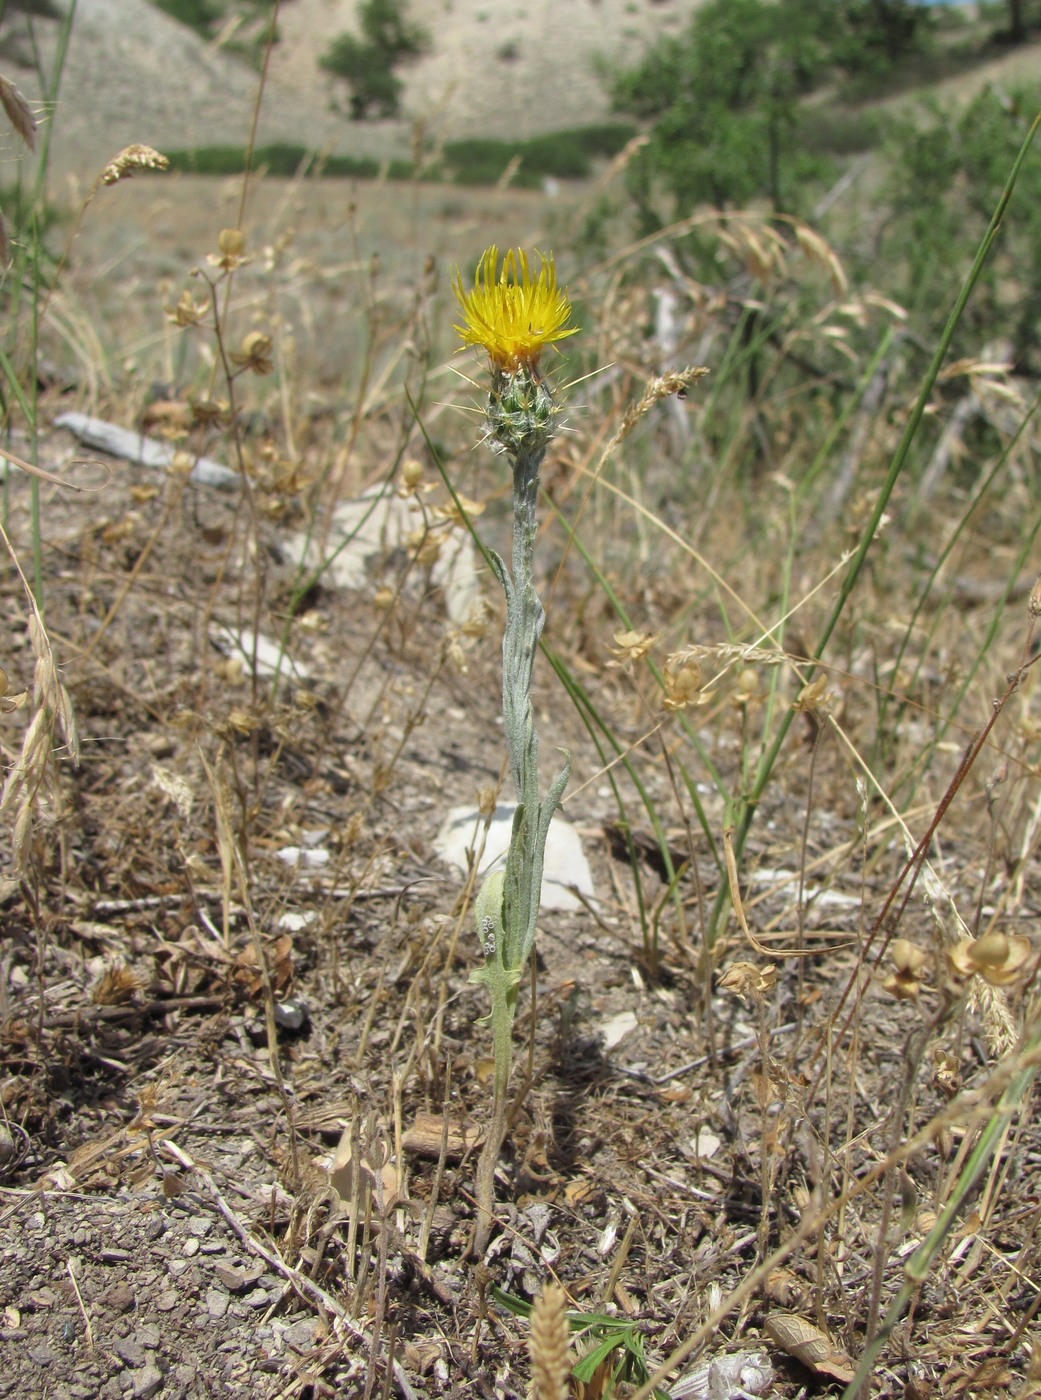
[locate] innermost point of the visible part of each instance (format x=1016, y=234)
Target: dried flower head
x=904, y=982
x=513, y=312
x=411, y=476
x=682, y=679
x=747, y=689
x=995, y=957
x=187, y=312
x=632, y=646
x=1034, y=603
x=813, y=697
x=747, y=981
x=232, y=245
x=131, y=159
x=460, y=509
x=254, y=353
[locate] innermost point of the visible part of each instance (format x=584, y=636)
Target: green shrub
x=279, y=158
x=367, y=64
x=200, y=15
x=562, y=155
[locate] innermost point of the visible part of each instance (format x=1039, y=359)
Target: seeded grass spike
x=514, y=313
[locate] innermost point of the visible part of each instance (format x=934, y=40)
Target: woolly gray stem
x=508, y=904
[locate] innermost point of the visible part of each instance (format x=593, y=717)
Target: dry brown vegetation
x=243, y=1075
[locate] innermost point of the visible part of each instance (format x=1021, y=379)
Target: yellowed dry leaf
x=804, y=1340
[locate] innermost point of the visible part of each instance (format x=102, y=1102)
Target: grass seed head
x=19, y=113
x=549, y=1346
x=130, y=160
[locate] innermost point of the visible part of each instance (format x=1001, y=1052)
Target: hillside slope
x=134, y=74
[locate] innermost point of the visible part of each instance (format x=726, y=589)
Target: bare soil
x=168, y=1223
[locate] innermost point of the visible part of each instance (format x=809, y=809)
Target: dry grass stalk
x=31, y=777
x=549, y=1345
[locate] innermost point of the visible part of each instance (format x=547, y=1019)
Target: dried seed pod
x=996, y=957
x=808, y=1344
x=908, y=960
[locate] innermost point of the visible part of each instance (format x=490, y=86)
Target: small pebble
x=130, y=1350
x=120, y=1297
x=216, y=1302
x=147, y=1382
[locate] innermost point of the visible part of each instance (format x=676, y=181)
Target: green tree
x=946, y=175
x=723, y=99
x=367, y=64
x=875, y=37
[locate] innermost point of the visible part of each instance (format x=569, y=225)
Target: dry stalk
x=31, y=780
x=234, y=869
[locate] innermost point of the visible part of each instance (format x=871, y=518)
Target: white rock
x=565, y=866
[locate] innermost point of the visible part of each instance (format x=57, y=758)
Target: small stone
x=167, y=1300
x=120, y=1297
x=147, y=1381
x=149, y=1335
x=216, y=1302
x=130, y=1350
x=200, y=1226
x=42, y=1354
x=300, y=1335
x=189, y=1248
x=237, y=1278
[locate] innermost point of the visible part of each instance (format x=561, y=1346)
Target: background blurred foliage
x=763, y=103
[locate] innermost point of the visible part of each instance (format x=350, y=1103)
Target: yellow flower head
x=513, y=315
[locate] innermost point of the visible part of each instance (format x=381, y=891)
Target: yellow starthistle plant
x=514, y=314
